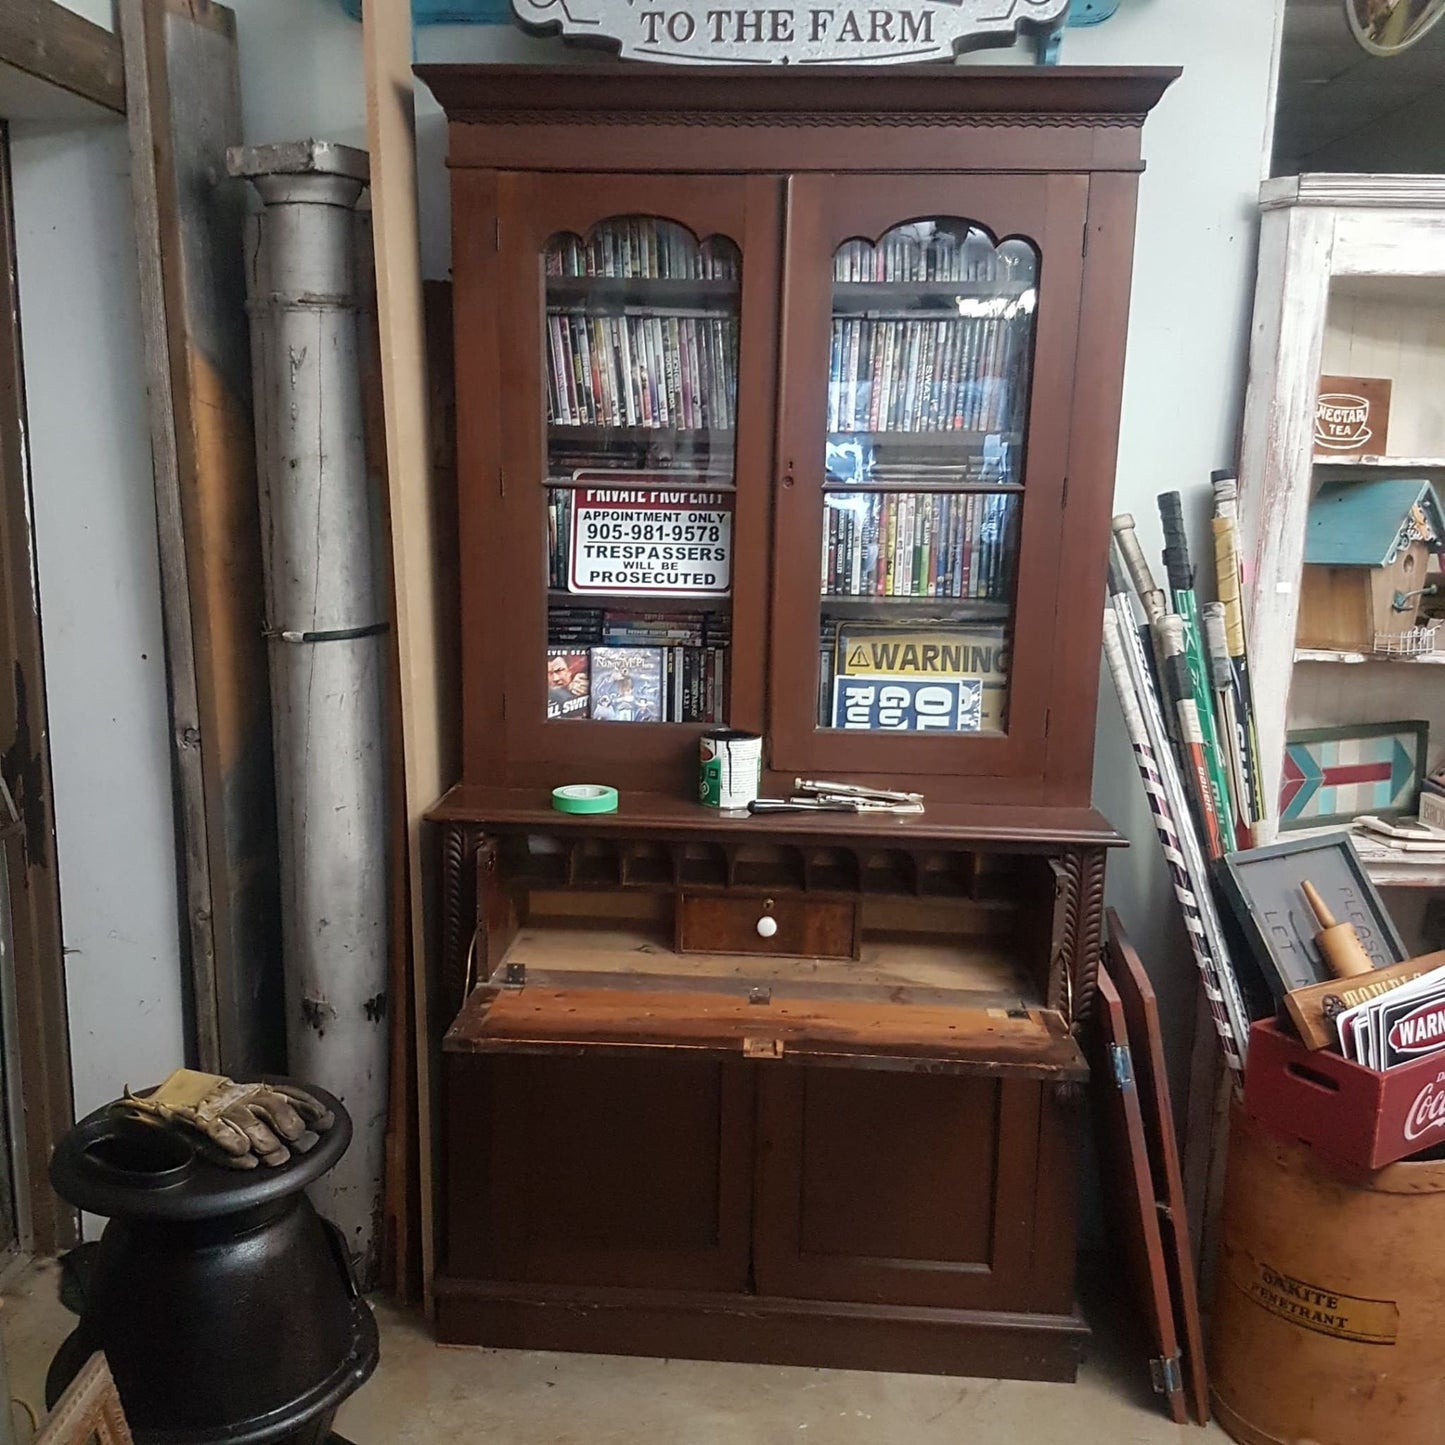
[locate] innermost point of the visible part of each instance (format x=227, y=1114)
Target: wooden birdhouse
x=1367, y=550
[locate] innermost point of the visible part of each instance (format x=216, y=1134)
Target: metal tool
x=864, y=799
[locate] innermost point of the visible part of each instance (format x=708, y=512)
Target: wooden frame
x=55, y=45
x=1315, y=229
x=185, y=110
x=41, y=1033
x=89, y=1412
x=415, y=545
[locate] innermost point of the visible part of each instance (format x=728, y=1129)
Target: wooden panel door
x=599, y=1170
x=636, y=325
x=927, y=376
x=907, y=1189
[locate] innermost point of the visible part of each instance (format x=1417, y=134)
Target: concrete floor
x=423, y=1395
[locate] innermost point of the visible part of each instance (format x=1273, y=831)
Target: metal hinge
x=762, y=1048
x=1167, y=1375
x=515, y=976
x=501, y=482
x=497, y=235
x=1122, y=1063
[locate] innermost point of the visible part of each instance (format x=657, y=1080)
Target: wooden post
x=391, y=130
x=184, y=86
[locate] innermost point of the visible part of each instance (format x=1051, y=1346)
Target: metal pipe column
x=325, y=620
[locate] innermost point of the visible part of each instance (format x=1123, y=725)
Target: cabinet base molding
x=756, y=1329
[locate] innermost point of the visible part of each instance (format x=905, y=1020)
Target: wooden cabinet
x=786, y=402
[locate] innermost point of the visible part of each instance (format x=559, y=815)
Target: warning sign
x=651, y=542
x=1312, y=1306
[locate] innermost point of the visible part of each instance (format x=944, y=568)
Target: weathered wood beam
x=184, y=86
x=63, y=49
x=391, y=126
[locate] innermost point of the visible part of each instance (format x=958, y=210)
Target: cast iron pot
x=224, y=1303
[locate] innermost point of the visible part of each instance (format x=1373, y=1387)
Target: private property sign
x=811, y=32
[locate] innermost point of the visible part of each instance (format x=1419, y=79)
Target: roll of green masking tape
x=584, y=798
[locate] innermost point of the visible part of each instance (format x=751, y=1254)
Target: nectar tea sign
x=809, y=32
x=1352, y=416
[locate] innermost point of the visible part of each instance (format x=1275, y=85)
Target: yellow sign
x=1312, y=1306
x=940, y=651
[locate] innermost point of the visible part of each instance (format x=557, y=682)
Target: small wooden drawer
x=776, y=923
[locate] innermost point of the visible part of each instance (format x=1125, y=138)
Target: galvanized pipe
x=325, y=621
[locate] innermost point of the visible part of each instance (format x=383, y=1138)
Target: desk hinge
x=516, y=975
x=501, y=482
x=1166, y=1374
x=1122, y=1063
x=762, y=1048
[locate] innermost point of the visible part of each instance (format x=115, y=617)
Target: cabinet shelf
x=1404, y=464
x=663, y=291
x=683, y=482
x=933, y=484
x=947, y=609
x=851, y=296
x=589, y=431
x=631, y=602
x=1323, y=654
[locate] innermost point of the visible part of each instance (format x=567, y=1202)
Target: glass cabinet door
x=920, y=453
x=626, y=450
x=641, y=370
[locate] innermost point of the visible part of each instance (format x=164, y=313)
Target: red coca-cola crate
x=1348, y=1113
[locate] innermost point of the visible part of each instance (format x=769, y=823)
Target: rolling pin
x=1338, y=943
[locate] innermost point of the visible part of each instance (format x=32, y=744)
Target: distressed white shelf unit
x=1351, y=282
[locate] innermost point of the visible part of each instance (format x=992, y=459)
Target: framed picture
x=1332, y=775
x=1263, y=890
x=1386, y=27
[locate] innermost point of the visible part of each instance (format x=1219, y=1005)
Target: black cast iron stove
x=224, y=1303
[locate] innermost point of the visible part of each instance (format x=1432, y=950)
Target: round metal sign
x=1386, y=27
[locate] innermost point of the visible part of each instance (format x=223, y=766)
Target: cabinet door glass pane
x=641, y=356
x=928, y=392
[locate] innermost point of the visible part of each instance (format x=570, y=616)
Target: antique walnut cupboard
x=786, y=399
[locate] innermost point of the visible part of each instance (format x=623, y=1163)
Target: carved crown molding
x=899, y=119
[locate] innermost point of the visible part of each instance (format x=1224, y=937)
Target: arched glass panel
x=928, y=398
x=641, y=358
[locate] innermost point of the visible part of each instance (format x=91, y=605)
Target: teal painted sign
x=448, y=12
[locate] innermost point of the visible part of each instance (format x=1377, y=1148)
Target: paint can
x=730, y=772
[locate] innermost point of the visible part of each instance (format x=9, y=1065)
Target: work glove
x=238, y=1125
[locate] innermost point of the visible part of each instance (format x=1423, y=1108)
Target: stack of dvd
x=920, y=544
x=643, y=248
x=654, y=368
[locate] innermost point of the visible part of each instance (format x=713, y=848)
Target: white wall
x=95, y=541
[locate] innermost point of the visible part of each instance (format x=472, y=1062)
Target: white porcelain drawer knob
x=767, y=926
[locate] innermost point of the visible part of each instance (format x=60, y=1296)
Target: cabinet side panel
x=478, y=422
x=1093, y=454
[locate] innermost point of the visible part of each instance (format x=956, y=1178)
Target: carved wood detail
x=460, y=842
x=713, y=119
x=1074, y=976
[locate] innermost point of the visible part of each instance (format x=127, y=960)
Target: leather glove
x=238, y=1125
